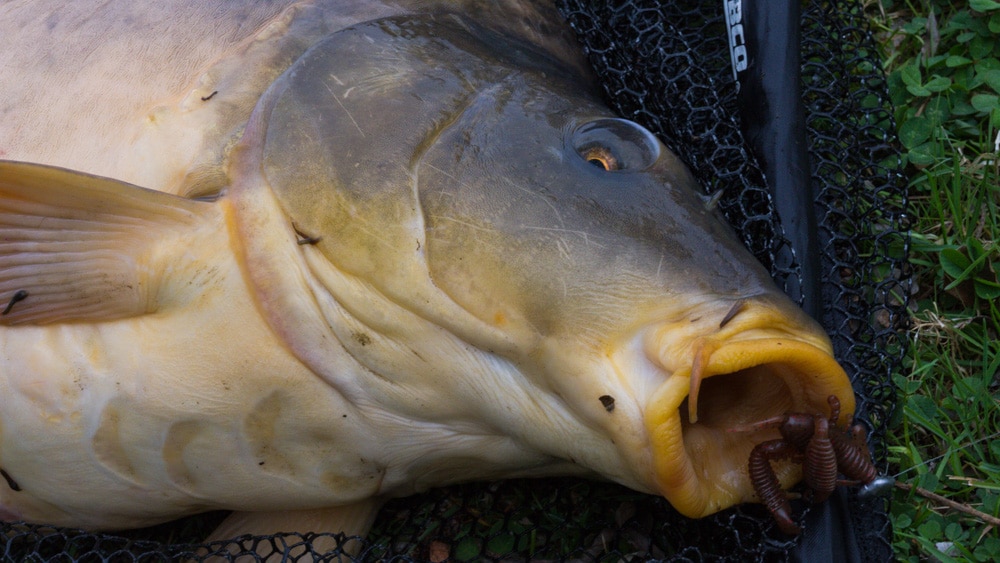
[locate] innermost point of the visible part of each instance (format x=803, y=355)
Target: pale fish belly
x=114, y=424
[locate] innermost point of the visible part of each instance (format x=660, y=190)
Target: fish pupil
x=602, y=158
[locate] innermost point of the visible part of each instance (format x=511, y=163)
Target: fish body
x=316, y=255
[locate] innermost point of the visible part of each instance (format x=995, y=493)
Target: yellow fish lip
x=701, y=467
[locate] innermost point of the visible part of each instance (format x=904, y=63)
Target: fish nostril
x=733, y=311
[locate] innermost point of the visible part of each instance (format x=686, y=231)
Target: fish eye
x=615, y=145
x=602, y=157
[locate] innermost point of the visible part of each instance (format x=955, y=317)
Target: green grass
x=943, y=60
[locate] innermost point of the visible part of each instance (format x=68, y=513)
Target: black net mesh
x=665, y=65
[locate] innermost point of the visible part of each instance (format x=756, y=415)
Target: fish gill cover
x=667, y=66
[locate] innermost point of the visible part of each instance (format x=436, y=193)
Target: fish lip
x=701, y=467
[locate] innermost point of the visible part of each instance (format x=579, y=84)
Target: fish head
x=507, y=253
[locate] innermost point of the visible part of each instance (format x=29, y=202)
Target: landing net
x=666, y=65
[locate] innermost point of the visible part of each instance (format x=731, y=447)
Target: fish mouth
x=701, y=420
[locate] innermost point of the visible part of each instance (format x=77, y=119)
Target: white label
x=737, y=39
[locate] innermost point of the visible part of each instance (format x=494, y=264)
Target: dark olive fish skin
x=495, y=143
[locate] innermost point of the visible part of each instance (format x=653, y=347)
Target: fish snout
x=726, y=371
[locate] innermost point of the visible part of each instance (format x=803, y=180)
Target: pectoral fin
x=79, y=247
x=351, y=520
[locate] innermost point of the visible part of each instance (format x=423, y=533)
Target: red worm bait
x=825, y=451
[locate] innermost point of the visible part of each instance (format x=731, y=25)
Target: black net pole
x=773, y=121
x=765, y=39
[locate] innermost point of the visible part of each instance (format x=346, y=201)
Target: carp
x=294, y=259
